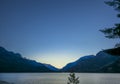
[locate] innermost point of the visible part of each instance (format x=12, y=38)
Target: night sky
x=55, y=31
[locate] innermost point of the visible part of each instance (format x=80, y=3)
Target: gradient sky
x=55, y=31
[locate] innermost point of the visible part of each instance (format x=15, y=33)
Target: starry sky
x=55, y=31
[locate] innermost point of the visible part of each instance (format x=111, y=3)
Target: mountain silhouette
x=106, y=61
x=91, y=63
x=51, y=67
x=115, y=66
x=14, y=62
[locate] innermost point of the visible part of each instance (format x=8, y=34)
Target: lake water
x=59, y=78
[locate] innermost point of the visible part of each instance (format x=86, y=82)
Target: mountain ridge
x=14, y=62
x=106, y=61
x=90, y=63
x=51, y=67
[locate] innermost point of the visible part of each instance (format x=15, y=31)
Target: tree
x=113, y=32
x=73, y=79
x=115, y=4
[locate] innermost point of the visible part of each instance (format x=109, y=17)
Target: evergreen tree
x=72, y=79
x=113, y=32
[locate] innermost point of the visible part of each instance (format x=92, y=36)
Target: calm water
x=59, y=78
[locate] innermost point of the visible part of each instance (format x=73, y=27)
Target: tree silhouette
x=73, y=79
x=113, y=32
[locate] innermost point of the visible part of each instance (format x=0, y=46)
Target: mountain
x=112, y=68
x=72, y=64
x=115, y=66
x=14, y=62
x=51, y=67
x=107, y=61
x=91, y=63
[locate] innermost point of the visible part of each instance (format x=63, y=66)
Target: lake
x=59, y=78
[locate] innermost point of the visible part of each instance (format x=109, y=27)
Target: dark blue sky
x=55, y=31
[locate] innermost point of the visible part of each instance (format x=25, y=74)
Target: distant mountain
x=90, y=63
x=51, y=67
x=115, y=66
x=112, y=68
x=14, y=62
x=72, y=64
x=104, y=61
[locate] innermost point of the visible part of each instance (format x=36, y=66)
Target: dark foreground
x=4, y=82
